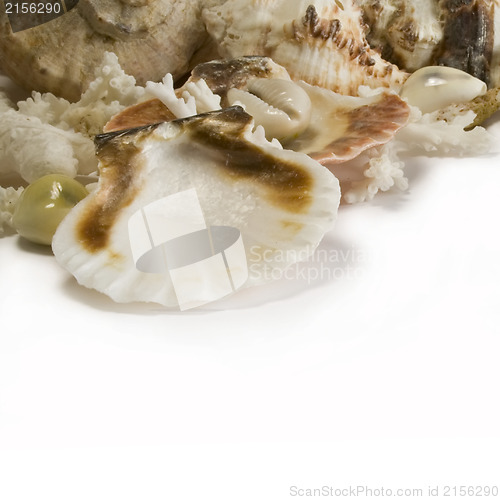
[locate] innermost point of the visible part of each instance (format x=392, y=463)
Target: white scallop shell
x=281, y=201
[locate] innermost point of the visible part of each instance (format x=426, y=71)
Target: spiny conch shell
x=418, y=33
x=434, y=87
x=281, y=201
x=150, y=38
x=319, y=41
x=406, y=31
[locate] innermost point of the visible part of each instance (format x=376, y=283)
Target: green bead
x=44, y=204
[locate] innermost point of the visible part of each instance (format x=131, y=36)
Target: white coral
x=258, y=136
x=181, y=107
x=34, y=149
x=425, y=134
x=196, y=97
x=111, y=92
x=429, y=133
x=205, y=99
x=112, y=85
x=382, y=173
x=48, y=135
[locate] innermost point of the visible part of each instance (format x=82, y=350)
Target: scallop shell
x=281, y=201
x=138, y=115
x=342, y=127
x=319, y=41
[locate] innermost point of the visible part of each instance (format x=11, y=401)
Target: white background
x=382, y=373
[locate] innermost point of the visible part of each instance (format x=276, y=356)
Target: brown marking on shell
x=292, y=226
x=144, y=113
x=366, y=126
x=331, y=29
x=223, y=74
x=318, y=28
x=221, y=133
x=119, y=168
x=410, y=36
x=288, y=185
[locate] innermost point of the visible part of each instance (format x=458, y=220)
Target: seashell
x=144, y=113
x=434, y=87
x=338, y=127
x=281, y=107
x=223, y=74
x=319, y=41
x=150, y=39
x=282, y=202
x=342, y=127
